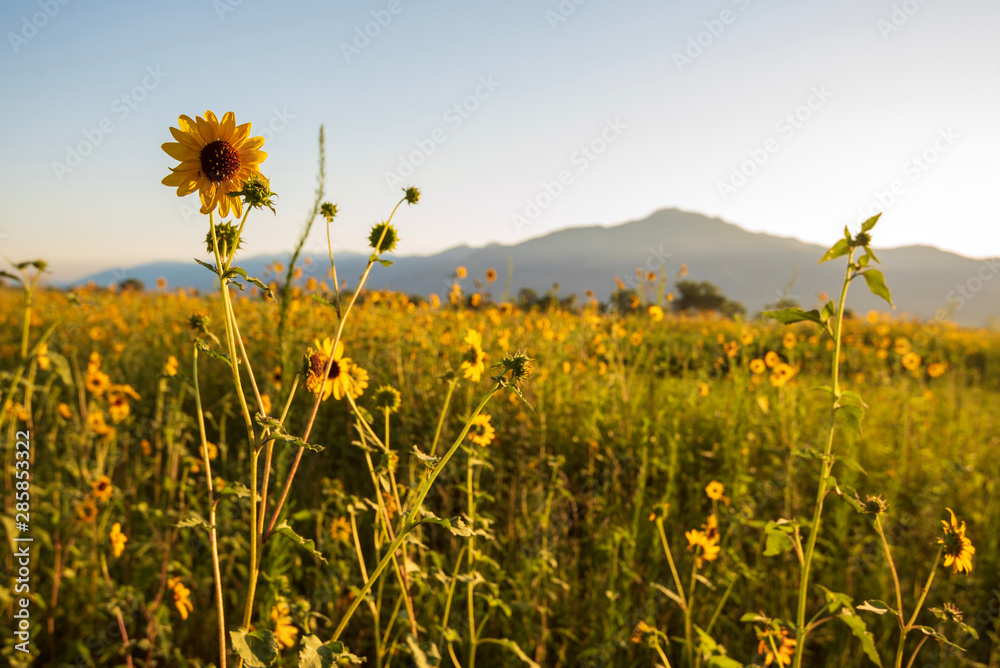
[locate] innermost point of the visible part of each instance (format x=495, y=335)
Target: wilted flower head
x=329, y=210
x=387, y=399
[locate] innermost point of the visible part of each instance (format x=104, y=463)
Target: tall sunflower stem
x=800, y=618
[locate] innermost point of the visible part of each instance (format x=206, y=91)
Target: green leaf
x=779, y=539
x=669, y=593
x=755, y=617
x=928, y=631
x=425, y=654
x=385, y=263
x=192, y=520
x=307, y=544
x=317, y=654
x=852, y=416
x=258, y=649
x=876, y=606
x=210, y=267
x=848, y=398
x=322, y=301
x=284, y=437
x=455, y=525
x=836, y=599
x=842, y=247
x=515, y=648
x=429, y=461
x=876, y=283
x=861, y=632
x=788, y=316
x=829, y=310
x=239, y=271
x=870, y=223
x=724, y=662
x=851, y=463
x=212, y=353
x=239, y=490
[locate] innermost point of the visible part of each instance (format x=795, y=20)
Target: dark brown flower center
x=317, y=364
x=220, y=161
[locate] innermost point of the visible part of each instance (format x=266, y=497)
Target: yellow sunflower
x=775, y=646
x=474, y=363
x=482, y=433
x=216, y=158
x=958, y=549
x=339, y=381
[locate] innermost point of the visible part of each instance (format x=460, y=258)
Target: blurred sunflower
x=775, y=646
x=216, y=158
x=118, y=539
x=283, y=628
x=958, y=549
x=474, y=363
x=481, y=432
x=338, y=381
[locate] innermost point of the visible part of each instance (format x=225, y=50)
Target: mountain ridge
x=753, y=268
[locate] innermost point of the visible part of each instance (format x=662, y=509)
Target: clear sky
x=787, y=117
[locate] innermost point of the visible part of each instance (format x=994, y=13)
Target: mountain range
x=755, y=269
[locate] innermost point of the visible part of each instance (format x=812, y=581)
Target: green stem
x=800, y=624
x=406, y=528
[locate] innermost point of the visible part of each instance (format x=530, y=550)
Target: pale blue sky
x=874, y=83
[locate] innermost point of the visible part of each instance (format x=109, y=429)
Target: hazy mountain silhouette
x=752, y=268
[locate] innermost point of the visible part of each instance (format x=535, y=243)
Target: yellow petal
x=186, y=124
x=178, y=151
x=208, y=131
x=240, y=134
x=188, y=139
x=253, y=142
x=228, y=126
x=210, y=117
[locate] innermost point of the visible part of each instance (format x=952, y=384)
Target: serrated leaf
x=428, y=460
x=210, y=267
x=258, y=649
x=425, y=655
x=212, y=353
x=455, y=525
x=239, y=490
x=239, y=271
x=305, y=543
x=876, y=283
x=842, y=247
x=861, y=632
x=284, y=437
x=193, y=520
x=787, y=316
x=317, y=654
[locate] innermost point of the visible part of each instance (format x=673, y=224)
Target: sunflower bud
x=519, y=365
x=387, y=399
x=225, y=233
x=329, y=211
x=412, y=195
x=383, y=238
x=257, y=193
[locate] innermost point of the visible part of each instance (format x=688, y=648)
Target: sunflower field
x=296, y=470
